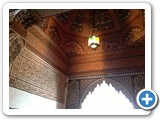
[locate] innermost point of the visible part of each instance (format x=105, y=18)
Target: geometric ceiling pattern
x=116, y=29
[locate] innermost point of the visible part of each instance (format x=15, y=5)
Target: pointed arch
x=118, y=87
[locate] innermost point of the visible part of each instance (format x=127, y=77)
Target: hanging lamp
x=93, y=40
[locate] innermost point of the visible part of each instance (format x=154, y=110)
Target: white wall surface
x=24, y=100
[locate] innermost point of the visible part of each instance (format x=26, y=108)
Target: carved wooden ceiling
x=65, y=33
x=70, y=29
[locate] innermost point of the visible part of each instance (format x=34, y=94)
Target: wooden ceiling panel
x=116, y=28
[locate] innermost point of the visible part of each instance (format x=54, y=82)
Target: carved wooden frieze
x=125, y=63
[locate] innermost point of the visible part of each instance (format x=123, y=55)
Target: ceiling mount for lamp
x=93, y=40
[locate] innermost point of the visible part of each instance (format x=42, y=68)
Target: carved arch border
x=117, y=85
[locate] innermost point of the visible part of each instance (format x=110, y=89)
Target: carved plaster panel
x=139, y=83
x=34, y=75
x=73, y=95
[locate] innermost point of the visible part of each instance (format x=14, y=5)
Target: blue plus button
x=147, y=99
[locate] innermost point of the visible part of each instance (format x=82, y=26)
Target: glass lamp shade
x=93, y=41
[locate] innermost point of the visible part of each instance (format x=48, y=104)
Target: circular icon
x=147, y=99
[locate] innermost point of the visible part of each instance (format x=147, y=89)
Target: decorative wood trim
x=106, y=73
x=30, y=48
x=40, y=35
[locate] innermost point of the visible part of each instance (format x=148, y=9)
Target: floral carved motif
x=77, y=24
x=101, y=19
x=123, y=14
x=63, y=17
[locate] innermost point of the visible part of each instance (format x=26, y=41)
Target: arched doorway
x=106, y=93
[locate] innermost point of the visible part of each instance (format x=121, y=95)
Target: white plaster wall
x=24, y=100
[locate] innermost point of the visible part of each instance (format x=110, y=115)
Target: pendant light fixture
x=93, y=40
